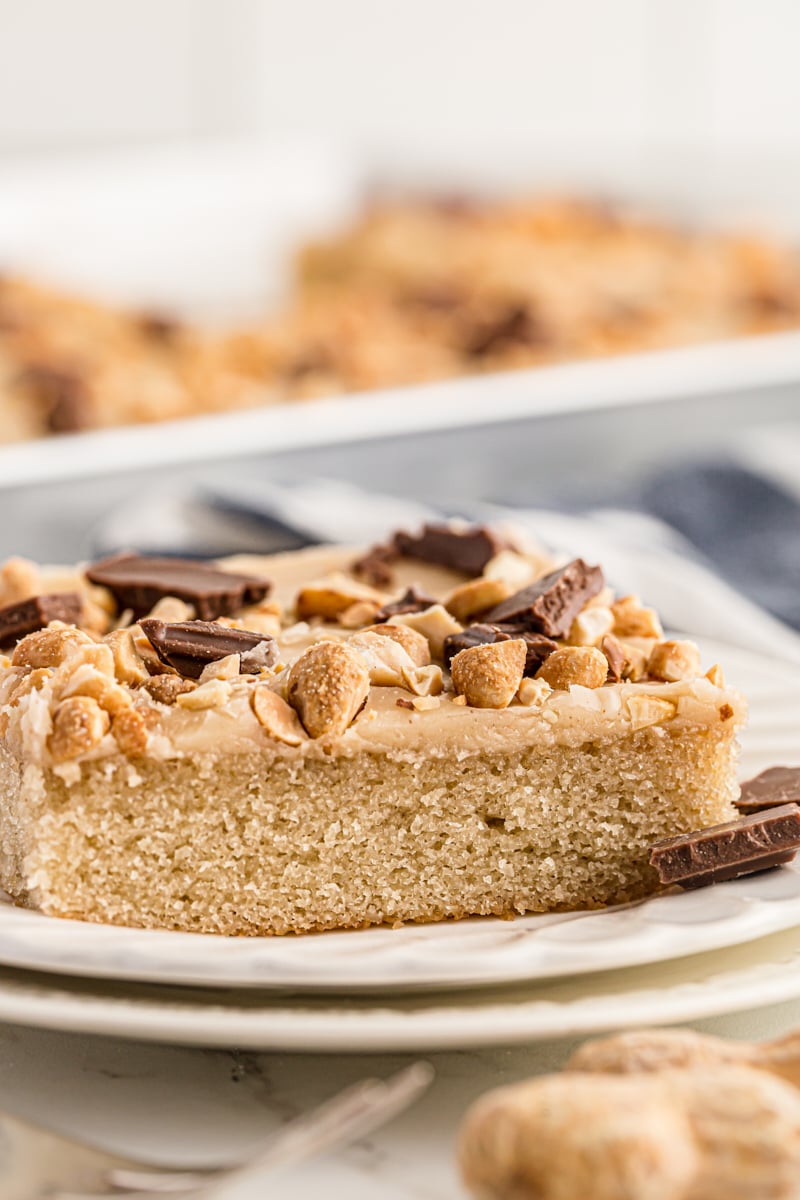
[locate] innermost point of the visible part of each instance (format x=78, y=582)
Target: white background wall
x=708, y=73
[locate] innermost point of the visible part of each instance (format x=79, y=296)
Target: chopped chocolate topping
x=26, y=616
x=404, y=704
x=539, y=647
x=138, y=582
x=615, y=654
x=376, y=565
x=517, y=325
x=62, y=394
x=466, y=550
x=189, y=646
x=742, y=847
x=778, y=785
x=412, y=601
x=551, y=604
x=160, y=327
x=314, y=359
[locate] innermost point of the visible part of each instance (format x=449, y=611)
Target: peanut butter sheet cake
x=415, y=290
x=445, y=725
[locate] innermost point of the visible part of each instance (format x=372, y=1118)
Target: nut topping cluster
x=513, y=631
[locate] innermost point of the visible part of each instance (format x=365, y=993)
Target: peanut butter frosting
x=337, y=675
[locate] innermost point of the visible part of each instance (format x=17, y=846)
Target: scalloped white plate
x=724, y=981
x=471, y=953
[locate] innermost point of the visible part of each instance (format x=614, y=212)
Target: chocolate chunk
x=538, y=647
x=412, y=601
x=778, y=785
x=62, y=394
x=139, y=582
x=516, y=325
x=313, y=360
x=188, y=646
x=26, y=616
x=467, y=550
x=615, y=654
x=742, y=847
x=159, y=327
x=376, y=565
x=551, y=604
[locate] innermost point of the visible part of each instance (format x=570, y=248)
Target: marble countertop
x=197, y=1106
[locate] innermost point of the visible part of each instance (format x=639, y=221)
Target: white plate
x=466, y=953
x=725, y=981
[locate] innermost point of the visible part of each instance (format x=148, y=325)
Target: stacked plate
x=676, y=957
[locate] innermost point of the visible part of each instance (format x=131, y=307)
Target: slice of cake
x=443, y=726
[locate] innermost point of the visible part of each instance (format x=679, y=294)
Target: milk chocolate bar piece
x=139, y=582
x=412, y=601
x=551, y=604
x=26, y=616
x=778, y=785
x=722, y=852
x=188, y=646
x=467, y=550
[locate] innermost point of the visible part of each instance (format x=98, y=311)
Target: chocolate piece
x=26, y=616
x=310, y=362
x=538, y=647
x=516, y=325
x=62, y=394
x=376, y=565
x=188, y=646
x=741, y=847
x=466, y=550
x=778, y=785
x=615, y=654
x=139, y=582
x=412, y=601
x=551, y=604
x=159, y=327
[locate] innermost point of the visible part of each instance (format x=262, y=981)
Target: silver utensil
x=38, y=1165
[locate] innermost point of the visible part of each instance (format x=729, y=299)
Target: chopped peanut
x=582, y=665
x=130, y=731
x=49, y=647
x=128, y=665
x=490, y=675
x=329, y=598
x=327, y=687
x=278, y=718
x=79, y=724
x=475, y=597
x=591, y=626
x=413, y=642
x=434, y=623
x=632, y=619
x=167, y=688
x=671, y=661
x=649, y=710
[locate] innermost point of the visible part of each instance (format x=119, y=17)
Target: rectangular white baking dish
x=205, y=231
